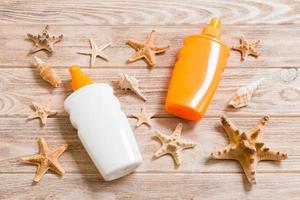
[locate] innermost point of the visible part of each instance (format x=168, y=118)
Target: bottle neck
x=213, y=28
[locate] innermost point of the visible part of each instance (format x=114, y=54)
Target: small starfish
x=172, y=144
x=42, y=112
x=247, y=148
x=44, y=41
x=143, y=118
x=247, y=48
x=96, y=51
x=46, y=160
x=146, y=50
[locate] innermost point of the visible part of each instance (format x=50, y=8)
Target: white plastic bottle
x=102, y=126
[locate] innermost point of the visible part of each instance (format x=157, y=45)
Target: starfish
x=172, y=144
x=96, y=51
x=42, y=112
x=44, y=41
x=146, y=49
x=247, y=148
x=143, y=118
x=247, y=48
x=46, y=159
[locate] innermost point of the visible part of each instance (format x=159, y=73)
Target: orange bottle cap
x=213, y=28
x=79, y=78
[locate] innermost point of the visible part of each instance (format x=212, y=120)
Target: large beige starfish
x=247, y=148
x=143, y=118
x=44, y=41
x=172, y=144
x=96, y=51
x=247, y=48
x=42, y=112
x=46, y=160
x=146, y=49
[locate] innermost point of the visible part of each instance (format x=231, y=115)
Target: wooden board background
x=276, y=23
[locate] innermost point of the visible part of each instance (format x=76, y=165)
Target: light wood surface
x=276, y=23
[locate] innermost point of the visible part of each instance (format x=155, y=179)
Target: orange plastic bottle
x=197, y=73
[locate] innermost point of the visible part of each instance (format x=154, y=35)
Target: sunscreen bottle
x=197, y=73
x=102, y=126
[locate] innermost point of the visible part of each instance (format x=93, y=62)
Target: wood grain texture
x=276, y=51
x=149, y=186
x=18, y=138
x=278, y=95
x=276, y=23
x=143, y=12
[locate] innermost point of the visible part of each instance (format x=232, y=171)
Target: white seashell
x=127, y=82
x=243, y=95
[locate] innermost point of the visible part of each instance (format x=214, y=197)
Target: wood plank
x=275, y=51
x=145, y=12
x=18, y=138
x=151, y=186
x=278, y=95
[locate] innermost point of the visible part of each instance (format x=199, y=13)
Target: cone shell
x=47, y=73
x=243, y=95
x=127, y=82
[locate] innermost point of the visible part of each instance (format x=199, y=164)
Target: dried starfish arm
x=150, y=57
x=136, y=56
x=254, y=52
x=41, y=171
x=43, y=147
x=230, y=129
x=160, y=49
x=33, y=38
x=36, y=48
x=59, y=151
x=102, y=47
x=102, y=55
x=135, y=44
x=161, y=137
x=151, y=38
x=267, y=154
x=31, y=159
x=249, y=169
x=93, y=59
x=160, y=152
x=57, y=168
x=176, y=157
x=186, y=145
x=256, y=131
x=253, y=47
x=44, y=119
x=55, y=39
x=178, y=130
x=226, y=153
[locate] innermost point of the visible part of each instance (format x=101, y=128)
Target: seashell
x=243, y=95
x=127, y=82
x=47, y=73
